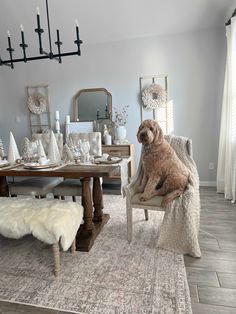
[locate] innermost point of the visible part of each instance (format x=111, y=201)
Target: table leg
x=97, y=200
x=85, y=235
x=87, y=204
x=4, y=191
x=88, y=232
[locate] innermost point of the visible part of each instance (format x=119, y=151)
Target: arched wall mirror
x=92, y=104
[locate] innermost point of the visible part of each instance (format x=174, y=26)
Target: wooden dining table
x=92, y=201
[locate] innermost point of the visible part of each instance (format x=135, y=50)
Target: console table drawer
x=117, y=150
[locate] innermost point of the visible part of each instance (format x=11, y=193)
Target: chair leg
x=129, y=224
x=56, y=257
x=63, y=198
x=74, y=198
x=56, y=197
x=146, y=214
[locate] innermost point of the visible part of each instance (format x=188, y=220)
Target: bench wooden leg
x=73, y=247
x=56, y=257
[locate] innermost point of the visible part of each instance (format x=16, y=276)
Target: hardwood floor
x=212, y=278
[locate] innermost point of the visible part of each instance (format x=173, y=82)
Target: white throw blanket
x=48, y=220
x=180, y=226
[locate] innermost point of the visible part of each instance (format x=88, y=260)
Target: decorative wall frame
x=39, y=110
x=154, y=97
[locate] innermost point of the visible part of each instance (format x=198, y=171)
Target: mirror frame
x=86, y=90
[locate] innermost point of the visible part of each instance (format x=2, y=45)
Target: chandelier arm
x=6, y=62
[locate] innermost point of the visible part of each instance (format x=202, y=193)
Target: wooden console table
x=94, y=220
x=126, y=150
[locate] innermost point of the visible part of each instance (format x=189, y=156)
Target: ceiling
x=113, y=20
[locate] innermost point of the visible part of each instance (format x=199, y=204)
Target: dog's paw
x=143, y=198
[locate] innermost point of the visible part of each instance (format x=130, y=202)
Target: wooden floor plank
x=217, y=296
x=199, y=308
x=202, y=277
x=193, y=293
x=227, y=280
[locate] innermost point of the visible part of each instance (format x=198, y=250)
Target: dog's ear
x=159, y=135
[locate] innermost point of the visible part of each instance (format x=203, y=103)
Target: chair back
x=45, y=139
x=94, y=139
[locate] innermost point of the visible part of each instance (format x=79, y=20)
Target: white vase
x=120, y=132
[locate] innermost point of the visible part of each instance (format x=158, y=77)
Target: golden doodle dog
x=164, y=173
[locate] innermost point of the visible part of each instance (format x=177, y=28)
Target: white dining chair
x=133, y=195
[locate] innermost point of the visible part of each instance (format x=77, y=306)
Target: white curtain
x=226, y=170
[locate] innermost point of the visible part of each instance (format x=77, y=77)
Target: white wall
x=194, y=63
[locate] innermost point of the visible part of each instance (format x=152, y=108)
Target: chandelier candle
x=78, y=41
x=58, y=43
x=39, y=30
x=23, y=44
x=57, y=115
x=10, y=48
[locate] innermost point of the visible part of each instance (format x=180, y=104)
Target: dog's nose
x=142, y=135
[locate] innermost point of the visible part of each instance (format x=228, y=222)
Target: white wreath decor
x=154, y=96
x=37, y=103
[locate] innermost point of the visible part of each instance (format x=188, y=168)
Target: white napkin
x=13, y=152
x=53, y=151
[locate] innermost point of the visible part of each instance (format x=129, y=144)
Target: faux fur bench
x=51, y=221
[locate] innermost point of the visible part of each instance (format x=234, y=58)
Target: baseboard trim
x=208, y=183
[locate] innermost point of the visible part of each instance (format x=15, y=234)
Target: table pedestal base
x=85, y=239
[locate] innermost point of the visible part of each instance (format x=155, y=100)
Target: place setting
x=33, y=155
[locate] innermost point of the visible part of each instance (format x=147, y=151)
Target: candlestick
x=58, y=126
x=58, y=43
x=106, y=111
x=23, y=44
x=78, y=41
x=57, y=115
x=10, y=49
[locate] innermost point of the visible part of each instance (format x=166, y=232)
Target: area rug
x=114, y=277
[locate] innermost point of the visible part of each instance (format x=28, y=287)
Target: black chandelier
x=43, y=54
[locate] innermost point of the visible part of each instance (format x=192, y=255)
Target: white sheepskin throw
x=48, y=220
